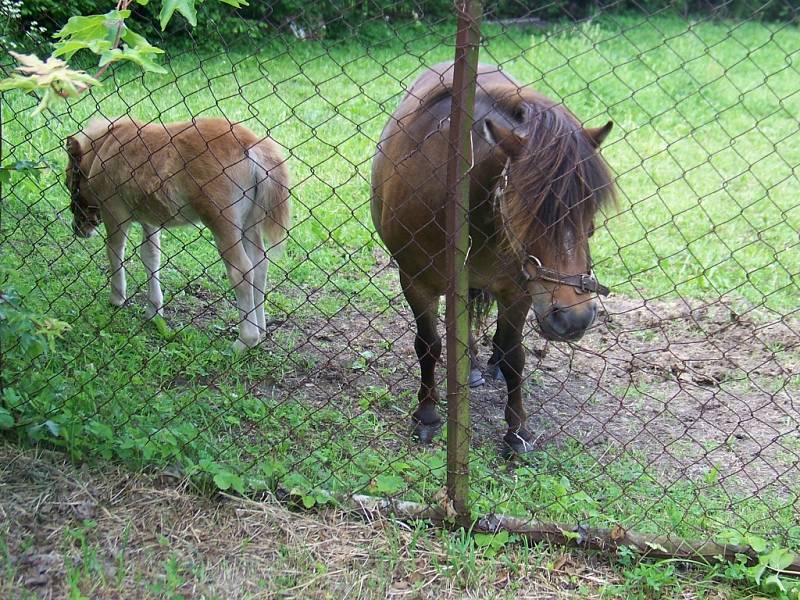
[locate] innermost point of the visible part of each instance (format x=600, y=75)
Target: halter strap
x=584, y=283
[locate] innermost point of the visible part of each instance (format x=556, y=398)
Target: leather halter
x=584, y=283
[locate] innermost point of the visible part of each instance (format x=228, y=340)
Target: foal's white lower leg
x=254, y=245
x=240, y=274
x=115, y=249
x=151, y=257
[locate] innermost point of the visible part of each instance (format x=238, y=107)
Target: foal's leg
x=151, y=257
x=254, y=246
x=116, y=237
x=511, y=313
x=240, y=274
x=428, y=345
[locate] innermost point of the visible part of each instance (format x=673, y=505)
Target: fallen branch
x=593, y=538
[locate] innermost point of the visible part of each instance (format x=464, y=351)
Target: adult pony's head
x=553, y=183
x=85, y=213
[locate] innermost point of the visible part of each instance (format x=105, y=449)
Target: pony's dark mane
x=559, y=180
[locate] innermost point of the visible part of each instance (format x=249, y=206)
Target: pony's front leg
x=116, y=238
x=428, y=346
x=511, y=354
x=151, y=257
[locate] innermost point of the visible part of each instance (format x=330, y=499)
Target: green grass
x=704, y=148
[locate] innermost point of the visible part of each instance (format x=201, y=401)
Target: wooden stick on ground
x=594, y=538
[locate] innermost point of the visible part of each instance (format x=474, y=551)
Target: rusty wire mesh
x=675, y=413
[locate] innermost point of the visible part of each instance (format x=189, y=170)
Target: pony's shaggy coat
x=209, y=172
x=536, y=183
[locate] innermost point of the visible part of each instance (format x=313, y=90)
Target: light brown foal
x=206, y=171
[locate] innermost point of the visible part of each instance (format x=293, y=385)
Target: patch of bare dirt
x=689, y=386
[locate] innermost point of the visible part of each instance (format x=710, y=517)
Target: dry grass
x=79, y=531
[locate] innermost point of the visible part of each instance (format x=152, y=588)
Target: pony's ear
x=597, y=135
x=504, y=138
x=74, y=149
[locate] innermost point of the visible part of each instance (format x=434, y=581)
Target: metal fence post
x=457, y=317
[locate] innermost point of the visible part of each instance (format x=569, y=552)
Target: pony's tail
x=271, y=180
x=480, y=305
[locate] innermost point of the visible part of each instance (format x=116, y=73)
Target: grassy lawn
x=704, y=148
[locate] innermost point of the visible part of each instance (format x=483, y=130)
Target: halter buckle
x=537, y=264
x=583, y=279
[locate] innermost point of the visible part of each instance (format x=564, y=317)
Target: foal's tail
x=271, y=183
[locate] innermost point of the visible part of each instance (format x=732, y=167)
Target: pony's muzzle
x=567, y=324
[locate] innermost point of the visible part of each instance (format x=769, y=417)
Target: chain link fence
x=676, y=413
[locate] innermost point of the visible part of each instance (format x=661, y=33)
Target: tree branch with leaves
x=109, y=37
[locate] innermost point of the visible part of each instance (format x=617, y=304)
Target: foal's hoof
x=117, y=300
x=240, y=346
x=494, y=373
x=518, y=442
x=425, y=432
x=476, y=378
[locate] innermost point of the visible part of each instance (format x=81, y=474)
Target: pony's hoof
x=476, y=378
x=240, y=346
x=495, y=374
x=117, y=300
x=151, y=312
x=425, y=432
x=518, y=442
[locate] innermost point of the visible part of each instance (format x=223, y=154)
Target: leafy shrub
x=345, y=16
x=25, y=337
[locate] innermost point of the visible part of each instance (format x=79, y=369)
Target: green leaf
x=501, y=538
x=101, y=430
x=235, y=3
x=93, y=27
x=779, y=558
x=134, y=40
x=226, y=480
x=68, y=48
x=773, y=581
x=185, y=7
x=758, y=544
x=756, y=571
x=5, y=176
x=389, y=484
x=6, y=420
x=135, y=56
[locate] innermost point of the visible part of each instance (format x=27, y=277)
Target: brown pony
x=536, y=183
x=206, y=171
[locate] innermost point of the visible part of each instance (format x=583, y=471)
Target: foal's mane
x=559, y=180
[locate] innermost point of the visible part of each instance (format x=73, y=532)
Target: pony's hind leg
x=428, y=346
x=254, y=246
x=116, y=238
x=240, y=274
x=475, y=376
x=151, y=257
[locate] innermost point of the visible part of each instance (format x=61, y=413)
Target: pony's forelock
x=559, y=182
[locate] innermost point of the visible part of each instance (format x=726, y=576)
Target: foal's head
x=85, y=212
x=552, y=186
